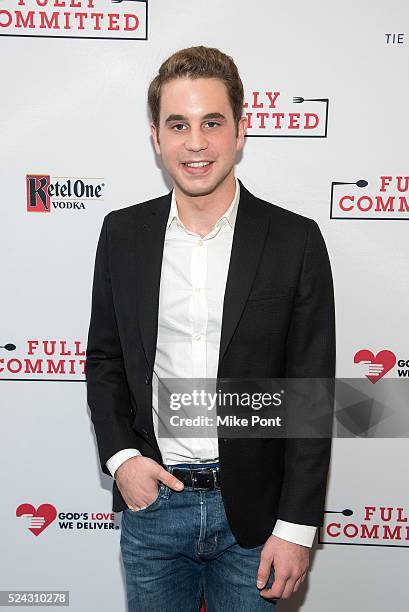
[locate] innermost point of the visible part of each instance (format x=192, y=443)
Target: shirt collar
x=230, y=214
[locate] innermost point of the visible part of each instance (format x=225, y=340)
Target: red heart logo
x=42, y=517
x=386, y=358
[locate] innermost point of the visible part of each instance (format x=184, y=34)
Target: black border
x=325, y=135
x=88, y=37
x=359, y=218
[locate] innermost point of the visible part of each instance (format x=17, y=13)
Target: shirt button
x=147, y=380
x=200, y=242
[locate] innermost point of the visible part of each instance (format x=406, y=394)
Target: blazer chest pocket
x=269, y=295
x=266, y=311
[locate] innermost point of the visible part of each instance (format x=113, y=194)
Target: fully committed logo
x=38, y=519
x=66, y=193
x=274, y=114
x=115, y=19
x=43, y=360
x=375, y=365
x=366, y=526
x=386, y=198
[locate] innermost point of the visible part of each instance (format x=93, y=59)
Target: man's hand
x=291, y=562
x=137, y=479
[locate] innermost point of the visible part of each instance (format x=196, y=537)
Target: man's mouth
x=196, y=164
x=197, y=167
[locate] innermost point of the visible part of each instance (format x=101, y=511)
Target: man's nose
x=196, y=140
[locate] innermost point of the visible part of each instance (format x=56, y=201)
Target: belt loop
x=193, y=477
x=214, y=478
x=170, y=469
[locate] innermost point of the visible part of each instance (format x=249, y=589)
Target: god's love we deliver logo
x=38, y=519
x=375, y=365
x=107, y=19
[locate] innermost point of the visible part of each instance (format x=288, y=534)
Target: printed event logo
x=366, y=526
x=387, y=199
x=39, y=519
x=374, y=367
x=45, y=193
x=61, y=360
x=106, y=19
x=274, y=114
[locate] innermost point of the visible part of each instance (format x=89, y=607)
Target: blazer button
x=146, y=433
x=147, y=380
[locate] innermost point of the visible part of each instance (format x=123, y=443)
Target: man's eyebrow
x=174, y=117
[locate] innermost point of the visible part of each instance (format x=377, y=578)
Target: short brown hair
x=194, y=63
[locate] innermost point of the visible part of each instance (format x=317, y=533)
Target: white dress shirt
x=192, y=287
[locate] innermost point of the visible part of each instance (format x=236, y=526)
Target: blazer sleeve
x=107, y=388
x=310, y=353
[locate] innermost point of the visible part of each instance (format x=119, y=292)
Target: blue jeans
x=181, y=546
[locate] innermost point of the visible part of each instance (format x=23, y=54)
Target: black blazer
x=278, y=321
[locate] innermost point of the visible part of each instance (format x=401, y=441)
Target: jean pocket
x=152, y=504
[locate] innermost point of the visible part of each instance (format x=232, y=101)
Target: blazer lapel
x=151, y=241
x=250, y=231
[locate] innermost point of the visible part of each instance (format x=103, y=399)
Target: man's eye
x=179, y=127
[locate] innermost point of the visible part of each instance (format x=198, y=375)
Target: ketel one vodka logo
x=45, y=193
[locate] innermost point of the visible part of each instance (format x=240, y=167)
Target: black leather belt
x=203, y=478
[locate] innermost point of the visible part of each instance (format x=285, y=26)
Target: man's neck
x=200, y=213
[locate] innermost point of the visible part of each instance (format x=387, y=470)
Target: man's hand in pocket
x=137, y=480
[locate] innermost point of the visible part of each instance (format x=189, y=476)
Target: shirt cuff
x=118, y=459
x=293, y=532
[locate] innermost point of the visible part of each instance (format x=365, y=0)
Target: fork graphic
x=116, y=1
x=300, y=100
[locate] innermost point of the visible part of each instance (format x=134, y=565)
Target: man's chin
x=196, y=188
x=197, y=192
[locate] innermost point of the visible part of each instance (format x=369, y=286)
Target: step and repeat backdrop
x=326, y=96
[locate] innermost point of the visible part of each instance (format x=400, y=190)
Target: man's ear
x=241, y=132
x=155, y=138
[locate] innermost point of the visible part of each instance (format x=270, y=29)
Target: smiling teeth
x=197, y=164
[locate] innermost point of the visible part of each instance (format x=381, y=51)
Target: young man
x=207, y=281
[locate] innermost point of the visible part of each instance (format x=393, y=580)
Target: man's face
x=196, y=124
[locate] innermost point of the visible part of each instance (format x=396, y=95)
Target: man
x=207, y=281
